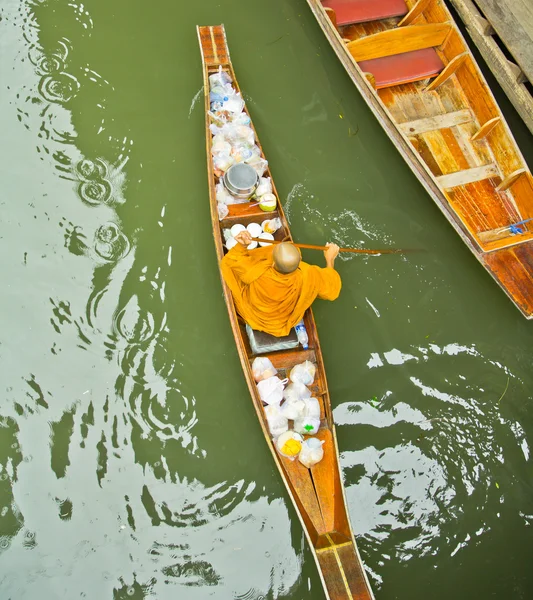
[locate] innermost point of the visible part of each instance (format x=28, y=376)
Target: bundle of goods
x=258, y=232
x=234, y=143
x=293, y=403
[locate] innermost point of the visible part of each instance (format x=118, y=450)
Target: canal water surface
x=131, y=461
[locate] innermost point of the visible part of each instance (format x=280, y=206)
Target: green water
x=131, y=462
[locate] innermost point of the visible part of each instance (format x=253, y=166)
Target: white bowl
x=252, y=246
x=236, y=229
x=254, y=229
x=231, y=242
x=265, y=236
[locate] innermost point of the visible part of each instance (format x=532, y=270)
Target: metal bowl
x=241, y=180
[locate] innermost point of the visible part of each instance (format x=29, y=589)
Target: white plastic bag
x=219, y=78
x=259, y=164
x=271, y=389
x=289, y=444
x=239, y=134
x=234, y=103
x=223, y=161
x=262, y=368
x=264, y=187
x=312, y=408
x=277, y=423
x=223, y=211
x=311, y=452
x=307, y=425
x=296, y=391
x=293, y=410
x=223, y=195
x=303, y=373
x=271, y=225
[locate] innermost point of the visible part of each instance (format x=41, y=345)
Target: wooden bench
x=348, y=12
x=401, y=55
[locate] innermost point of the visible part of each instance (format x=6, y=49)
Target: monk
x=272, y=287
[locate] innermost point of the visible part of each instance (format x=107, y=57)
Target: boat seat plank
x=323, y=478
x=465, y=176
x=398, y=40
x=439, y=122
x=300, y=479
x=403, y=68
x=360, y=11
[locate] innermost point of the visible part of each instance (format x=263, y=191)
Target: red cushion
x=361, y=11
x=401, y=68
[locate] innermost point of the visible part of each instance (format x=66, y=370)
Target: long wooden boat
x=317, y=493
x=415, y=71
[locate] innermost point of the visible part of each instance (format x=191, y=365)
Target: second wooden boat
x=415, y=71
x=317, y=493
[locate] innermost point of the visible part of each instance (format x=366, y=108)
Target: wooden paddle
x=353, y=250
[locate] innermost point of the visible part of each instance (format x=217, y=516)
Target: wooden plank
x=439, y=122
x=338, y=586
x=353, y=572
x=323, y=475
x=485, y=129
x=467, y=176
x=513, y=22
x=415, y=12
x=398, y=40
x=510, y=179
x=518, y=93
x=448, y=71
x=300, y=479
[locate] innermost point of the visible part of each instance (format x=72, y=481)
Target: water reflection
x=437, y=488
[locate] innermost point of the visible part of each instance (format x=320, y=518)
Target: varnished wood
x=415, y=12
x=448, y=71
x=452, y=135
x=504, y=70
x=317, y=493
x=444, y=121
x=510, y=179
x=397, y=40
x=486, y=128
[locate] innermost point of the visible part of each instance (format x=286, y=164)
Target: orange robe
x=271, y=301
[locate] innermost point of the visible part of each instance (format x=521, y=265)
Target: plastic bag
x=219, y=78
x=233, y=103
x=271, y=390
x=264, y=187
x=241, y=152
x=259, y=164
x=277, y=423
x=271, y=225
x=293, y=410
x=311, y=452
x=296, y=391
x=220, y=146
x=289, y=444
x=242, y=119
x=223, y=161
x=223, y=195
x=262, y=368
x=307, y=425
x=239, y=133
x=312, y=408
x=223, y=211
x=303, y=373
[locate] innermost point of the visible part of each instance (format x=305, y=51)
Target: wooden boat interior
x=317, y=492
x=421, y=69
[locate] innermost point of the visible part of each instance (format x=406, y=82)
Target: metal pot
x=241, y=180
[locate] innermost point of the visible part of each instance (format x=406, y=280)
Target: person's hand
x=332, y=252
x=244, y=238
